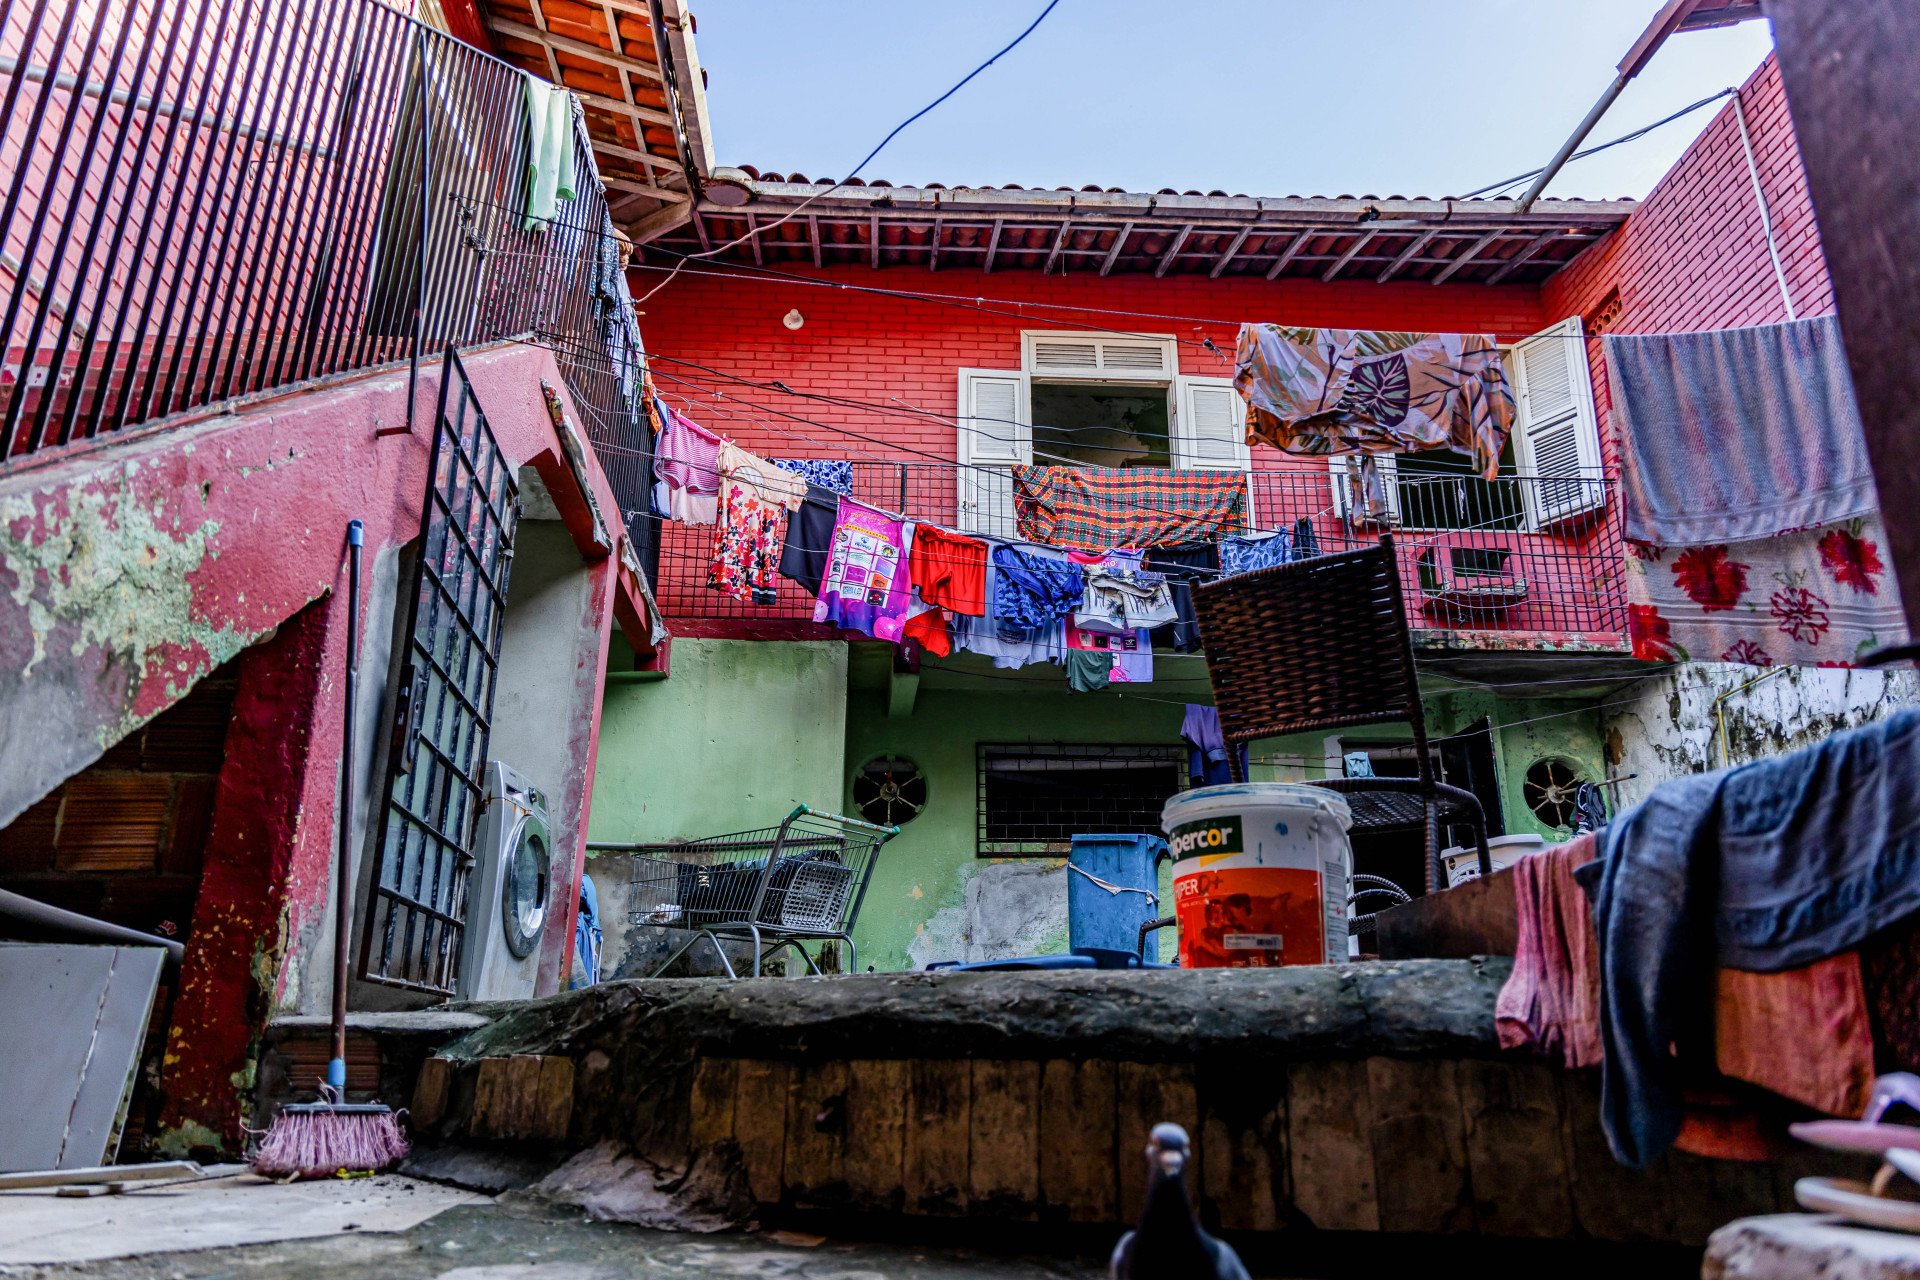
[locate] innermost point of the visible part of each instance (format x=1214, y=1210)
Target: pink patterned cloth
x=687, y=461
x=1552, y=999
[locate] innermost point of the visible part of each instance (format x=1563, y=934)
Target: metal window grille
x=417, y=900
x=1033, y=799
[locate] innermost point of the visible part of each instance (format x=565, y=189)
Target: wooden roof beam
x=1059, y=243
x=993, y=247
x=873, y=238
x=1359, y=242
x=1519, y=259
x=1227, y=257
x=1119, y=243
x=1407, y=255
x=813, y=236
x=933, y=247
x=634, y=110
x=1173, y=251
x=1473, y=251
x=753, y=238
x=1299, y=243
x=544, y=39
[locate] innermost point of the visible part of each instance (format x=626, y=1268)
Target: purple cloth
x=866, y=587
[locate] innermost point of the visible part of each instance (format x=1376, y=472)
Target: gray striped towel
x=1736, y=434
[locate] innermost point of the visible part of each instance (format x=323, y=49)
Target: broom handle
x=343, y=887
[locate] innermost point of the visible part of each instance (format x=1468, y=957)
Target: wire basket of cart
x=802, y=881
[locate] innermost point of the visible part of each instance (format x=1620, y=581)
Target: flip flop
x=1872, y=1133
x=1856, y=1202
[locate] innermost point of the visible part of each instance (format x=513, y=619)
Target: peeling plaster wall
x=1669, y=729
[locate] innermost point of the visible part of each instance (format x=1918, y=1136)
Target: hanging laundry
x=1768, y=866
x=1342, y=391
x=866, y=587
x=1260, y=551
x=1820, y=597
x=829, y=473
x=1551, y=1001
x=927, y=626
x=950, y=569
x=1207, y=747
x=687, y=461
x=754, y=501
x=1184, y=566
x=1306, y=544
x=1088, y=670
x=549, y=151
x=1731, y=435
x=1120, y=597
x=1010, y=648
x=1099, y=508
x=1033, y=587
x=1129, y=654
x=810, y=539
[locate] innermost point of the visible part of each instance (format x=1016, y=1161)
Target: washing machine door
x=525, y=885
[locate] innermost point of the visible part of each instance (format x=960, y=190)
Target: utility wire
x=1637, y=134
x=894, y=133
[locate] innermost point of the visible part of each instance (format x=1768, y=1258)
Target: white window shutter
x=1556, y=435
x=1075, y=354
x=1210, y=426
x=995, y=432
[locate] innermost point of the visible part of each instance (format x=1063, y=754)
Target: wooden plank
x=1077, y=1176
x=1610, y=1201
x=1287, y=255
x=1330, y=1145
x=1516, y=1159
x=430, y=1093
x=816, y=1133
x=939, y=1096
x=876, y=1133
x=516, y=1118
x=760, y=1126
x=489, y=1099
x=1479, y=918
x=1003, y=1133
x=1472, y=251
x=552, y=1112
x=1243, y=1125
x=1146, y=1094
x=1353, y=251
x=715, y=1084
x=1848, y=72
x=1407, y=255
x=1119, y=243
x=1419, y=1146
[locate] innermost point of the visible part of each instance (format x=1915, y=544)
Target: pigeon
x=1169, y=1244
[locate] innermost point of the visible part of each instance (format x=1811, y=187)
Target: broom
x=332, y=1136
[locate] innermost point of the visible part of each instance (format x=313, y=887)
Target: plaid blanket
x=1100, y=508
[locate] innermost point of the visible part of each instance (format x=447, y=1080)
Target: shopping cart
x=801, y=881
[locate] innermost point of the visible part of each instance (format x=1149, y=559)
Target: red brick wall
x=1693, y=255
x=868, y=347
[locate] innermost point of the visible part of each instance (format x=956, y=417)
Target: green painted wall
x=740, y=733
x=932, y=898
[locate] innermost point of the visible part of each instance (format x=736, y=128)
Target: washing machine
x=509, y=891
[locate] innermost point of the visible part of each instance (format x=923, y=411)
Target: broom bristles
x=320, y=1144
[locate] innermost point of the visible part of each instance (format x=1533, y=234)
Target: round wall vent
x=889, y=790
x=1549, y=789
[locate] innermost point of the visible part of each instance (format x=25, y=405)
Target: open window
x=1549, y=473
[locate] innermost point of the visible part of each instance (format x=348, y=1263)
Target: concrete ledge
x=1795, y=1246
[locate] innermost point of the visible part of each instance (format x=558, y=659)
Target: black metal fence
x=205, y=199
x=1530, y=555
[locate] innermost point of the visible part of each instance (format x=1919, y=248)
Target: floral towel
x=1819, y=598
x=1345, y=391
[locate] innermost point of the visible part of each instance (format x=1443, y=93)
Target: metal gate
x=417, y=901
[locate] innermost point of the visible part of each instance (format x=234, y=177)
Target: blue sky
x=1262, y=97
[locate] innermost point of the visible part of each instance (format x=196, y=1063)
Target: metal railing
x=1523, y=555
x=205, y=199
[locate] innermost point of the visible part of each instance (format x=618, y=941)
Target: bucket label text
x=1206, y=838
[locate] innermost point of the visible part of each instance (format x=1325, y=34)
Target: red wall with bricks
x=869, y=347
x=1693, y=255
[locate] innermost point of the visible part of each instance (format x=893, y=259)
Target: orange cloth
x=950, y=569
x=929, y=627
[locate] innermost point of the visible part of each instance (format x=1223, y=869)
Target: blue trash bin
x=1112, y=889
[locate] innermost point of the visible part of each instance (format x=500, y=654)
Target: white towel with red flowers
x=1818, y=597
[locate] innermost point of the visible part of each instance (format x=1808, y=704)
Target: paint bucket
x=1463, y=861
x=1260, y=874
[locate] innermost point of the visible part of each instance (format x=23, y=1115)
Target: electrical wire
x=894, y=133
x=1596, y=149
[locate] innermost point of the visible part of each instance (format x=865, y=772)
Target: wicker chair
x=1324, y=644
